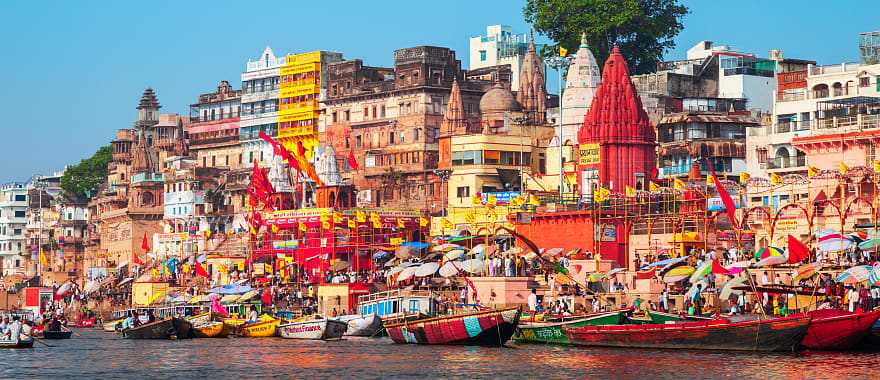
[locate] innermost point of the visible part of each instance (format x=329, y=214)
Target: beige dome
x=498, y=99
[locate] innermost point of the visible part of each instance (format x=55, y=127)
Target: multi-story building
x=260, y=87
x=14, y=252
x=214, y=128
x=303, y=85
x=390, y=118
x=869, y=47
x=500, y=46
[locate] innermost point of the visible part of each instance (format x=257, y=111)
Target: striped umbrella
x=677, y=274
x=807, y=270
x=834, y=243
x=766, y=252
x=874, y=276
x=855, y=274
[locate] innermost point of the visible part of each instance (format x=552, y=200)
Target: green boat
x=659, y=317
x=551, y=332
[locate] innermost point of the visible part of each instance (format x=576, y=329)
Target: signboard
x=609, y=232
x=285, y=244
x=787, y=225
x=502, y=197
x=715, y=204
x=589, y=154
x=747, y=236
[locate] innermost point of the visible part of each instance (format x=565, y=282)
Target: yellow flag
x=652, y=187
x=337, y=218
x=446, y=223
x=361, y=216
x=563, y=51
x=303, y=227
x=476, y=200
x=775, y=179
x=44, y=261
x=374, y=216
x=470, y=217
x=274, y=228
x=876, y=166
x=678, y=184
x=491, y=199
x=423, y=222
x=812, y=171
x=534, y=200
x=400, y=223
x=377, y=224
x=253, y=231
x=396, y=241
x=744, y=177
x=630, y=192
x=324, y=216
x=710, y=180
x=843, y=168
x=326, y=225
x=352, y=224
x=600, y=194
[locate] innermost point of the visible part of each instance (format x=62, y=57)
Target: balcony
x=196, y=143
x=147, y=177
x=792, y=126
x=787, y=162
x=854, y=123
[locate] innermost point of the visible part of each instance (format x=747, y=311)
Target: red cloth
x=717, y=268
x=648, y=274
x=797, y=251
x=352, y=161
x=725, y=198
x=200, y=270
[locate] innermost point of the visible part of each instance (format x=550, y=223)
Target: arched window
x=820, y=91
x=838, y=89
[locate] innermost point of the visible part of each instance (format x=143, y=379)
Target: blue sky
x=72, y=75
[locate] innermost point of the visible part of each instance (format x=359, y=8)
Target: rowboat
x=778, y=334
x=212, y=330
x=21, y=343
x=168, y=328
x=324, y=329
x=832, y=329
x=484, y=328
x=551, y=332
x=263, y=329
x=362, y=325
x=63, y=334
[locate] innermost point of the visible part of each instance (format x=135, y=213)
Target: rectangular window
x=416, y=133
x=463, y=192
x=482, y=55
x=391, y=138
x=20, y=197
x=402, y=137
x=19, y=214
x=16, y=231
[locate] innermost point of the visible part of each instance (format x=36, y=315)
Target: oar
x=40, y=341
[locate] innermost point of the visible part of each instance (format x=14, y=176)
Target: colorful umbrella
x=552, y=252
x=596, y=277
x=454, y=254
x=406, y=274
x=406, y=252
x=615, y=271
x=415, y=244
x=771, y=261
x=807, y=270
x=766, y=252
x=427, y=269
x=869, y=244
x=445, y=247
x=874, y=276
x=728, y=288
x=855, y=274
x=663, y=263
x=478, y=249
x=677, y=274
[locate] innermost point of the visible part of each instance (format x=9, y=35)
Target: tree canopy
x=642, y=29
x=83, y=178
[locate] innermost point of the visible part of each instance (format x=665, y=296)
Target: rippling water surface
x=96, y=354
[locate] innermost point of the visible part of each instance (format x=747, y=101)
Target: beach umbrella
x=231, y=289
x=340, y=265
x=445, y=247
x=728, y=288
x=572, y=252
x=391, y=263
x=874, y=276
x=405, y=252
x=434, y=256
x=427, y=269
x=771, y=261
x=702, y=271
x=454, y=254
x=834, y=243
x=855, y=274
x=766, y=252
x=552, y=252
x=738, y=264
x=474, y=266
x=406, y=274
x=615, y=271
x=677, y=274
x=393, y=271
x=64, y=288
x=530, y=256
x=869, y=244
x=478, y=249
x=806, y=271
x=451, y=268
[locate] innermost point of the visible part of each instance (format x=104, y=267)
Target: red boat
x=485, y=328
x=778, y=334
x=832, y=329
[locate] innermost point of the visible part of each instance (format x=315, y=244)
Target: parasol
x=855, y=274
x=728, y=288
x=702, y=271
x=766, y=252
x=91, y=287
x=231, y=289
x=390, y=263
x=445, y=247
x=677, y=274
x=806, y=271
x=403, y=252
x=874, y=276
x=834, y=243
x=454, y=254
x=427, y=269
x=771, y=261
x=552, y=252
x=450, y=268
x=474, y=266
x=406, y=274
x=478, y=249
x=596, y=277
x=393, y=271
x=64, y=288
x=615, y=271
x=663, y=263
x=869, y=244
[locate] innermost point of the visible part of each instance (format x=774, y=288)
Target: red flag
x=145, y=244
x=797, y=251
x=717, y=268
x=272, y=142
x=200, y=270
x=725, y=198
x=300, y=149
x=136, y=259
x=352, y=161
x=647, y=274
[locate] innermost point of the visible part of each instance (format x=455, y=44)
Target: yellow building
x=299, y=100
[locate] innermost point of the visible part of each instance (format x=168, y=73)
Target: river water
x=96, y=354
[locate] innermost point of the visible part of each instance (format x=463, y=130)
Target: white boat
x=324, y=329
x=362, y=325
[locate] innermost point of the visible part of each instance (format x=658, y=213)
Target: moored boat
x=168, y=328
x=484, y=328
x=323, y=329
x=110, y=326
x=86, y=322
x=833, y=329
x=262, y=329
x=63, y=334
x=778, y=334
x=551, y=332
x=21, y=343
x=212, y=330
x=362, y=325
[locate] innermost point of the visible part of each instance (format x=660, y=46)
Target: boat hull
x=837, y=329
x=260, y=329
x=552, y=332
x=57, y=334
x=19, y=344
x=487, y=328
x=162, y=329
x=212, y=330
x=362, y=325
x=324, y=329
x=780, y=334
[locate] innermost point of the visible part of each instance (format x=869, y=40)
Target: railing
x=850, y=123
x=791, y=126
x=199, y=119
x=787, y=162
x=792, y=96
x=214, y=140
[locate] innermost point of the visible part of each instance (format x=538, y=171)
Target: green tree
x=642, y=29
x=83, y=178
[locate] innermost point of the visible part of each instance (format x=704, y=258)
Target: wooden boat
x=362, y=325
x=832, y=329
x=183, y=328
x=484, y=328
x=323, y=329
x=200, y=319
x=212, y=330
x=63, y=334
x=168, y=328
x=778, y=334
x=659, y=317
x=21, y=343
x=551, y=332
x=262, y=329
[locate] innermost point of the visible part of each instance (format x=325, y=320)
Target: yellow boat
x=213, y=330
x=234, y=322
x=262, y=329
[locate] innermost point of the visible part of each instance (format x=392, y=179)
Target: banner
x=589, y=154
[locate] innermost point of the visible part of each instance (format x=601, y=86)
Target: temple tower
x=532, y=95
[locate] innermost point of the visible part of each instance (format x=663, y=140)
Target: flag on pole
x=775, y=179
x=812, y=171
x=423, y=222
x=200, y=270
x=725, y=198
x=563, y=51
x=843, y=168
x=352, y=161
x=326, y=225
x=797, y=251
x=303, y=227
x=653, y=187
x=744, y=177
x=630, y=192
x=446, y=223
x=360, y=216
x=710, y=180
x=678, y=184
x=352, y=224
x=337, y=217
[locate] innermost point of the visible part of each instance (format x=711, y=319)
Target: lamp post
x=443, y=174
x=559, y=63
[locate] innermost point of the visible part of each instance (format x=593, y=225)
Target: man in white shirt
x=533, y=301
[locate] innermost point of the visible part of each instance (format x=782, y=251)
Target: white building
x=500, y=46
x=13, y=222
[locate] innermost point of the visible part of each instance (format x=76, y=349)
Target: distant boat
x=362, y=325
x=322, y=329
x=778, y=334
x=168, y=328
x=21, y=343
x=62, y=334
x=484, y=328
x=832, y=329
x=263, y=329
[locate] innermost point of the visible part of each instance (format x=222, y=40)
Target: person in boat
x=150, y=316
x=14, y=333
x=54, y=325
x=135, y=320
x=826, y=304
x=4, y=328
x=26, y=331
x=697, y=300
x=333, y=313
x=253, y=316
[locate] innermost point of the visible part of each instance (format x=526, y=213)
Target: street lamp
x=559, y=63
x=443, y=174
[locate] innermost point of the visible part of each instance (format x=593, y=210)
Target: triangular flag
x=797, y=251
x=352, y=161
x=352, y=224
x=303, y=227
x=812, y=171
x=400, y=223
x=653, y=187
x=678, y=184
x=775, y=179
x=710, y=180
x=563, y=51
x=744, y=177
x=533, y=200
x=423, y=222
x=725, y=198
x=630, y=192
x=200, y=270
x=843, y=168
